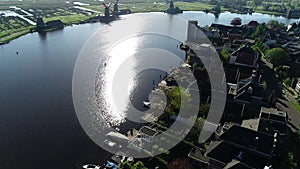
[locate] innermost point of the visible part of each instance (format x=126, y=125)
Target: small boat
x=147, y=104
x=91, y=166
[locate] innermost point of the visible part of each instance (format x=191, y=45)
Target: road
x=283, y=104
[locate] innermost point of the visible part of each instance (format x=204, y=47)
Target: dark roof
x=249, y=139
x=228, y=154
x=226, y=28
x=233, y=108
x=249, y=88
x=271, y=128
x=233, y=37
x=217, y=150
x=148, y=131
x=198, y=154
x=273, y=114
x=54, y=22
x=245, y=55
x=232, y=71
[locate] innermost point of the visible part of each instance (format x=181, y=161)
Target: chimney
x=253, y=77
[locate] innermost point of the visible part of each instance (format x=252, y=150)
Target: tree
x=225, y=54
x=126, y=165
x=288, y=82
x=282, y=71
x=277, y=56
x=174, y=98
x=265, y=85
x=196, y=130
x=273, y=24
x=260, y=31
x=290, y=164
x=203, y=110
x=179, y=164
x=139, y=165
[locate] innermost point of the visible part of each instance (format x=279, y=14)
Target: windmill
x=116, y=8
x=106, y=9
x=171, y=6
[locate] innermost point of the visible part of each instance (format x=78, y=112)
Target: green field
x=69, y=19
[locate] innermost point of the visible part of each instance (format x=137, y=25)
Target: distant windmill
x=171, y=6
x=106, y=9
x=116, y=8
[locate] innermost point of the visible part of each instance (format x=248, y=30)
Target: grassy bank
x=296, y=105
x=69, y=19
x=10, y=35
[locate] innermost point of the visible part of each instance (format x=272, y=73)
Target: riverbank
x=74, y=19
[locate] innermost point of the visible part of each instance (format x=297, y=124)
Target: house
x=273, y=121
x=195, y=33
x=197, y=158
x=241, y=147
x=55, y=24
x=233, y=111
x=147, y=134
x=250, y=92
x=244, y=56
x=247, y=93
x=293, y=13
x=236, y=72
x=225, y=29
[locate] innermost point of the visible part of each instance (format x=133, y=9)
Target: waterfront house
x=147, y=134
x=55, y=24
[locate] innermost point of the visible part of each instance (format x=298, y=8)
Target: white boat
x=91, y=166
x=147, y=104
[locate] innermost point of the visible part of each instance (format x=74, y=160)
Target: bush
x=290, y=164
x=277, y=56
x=287, y=81
x=225, y=54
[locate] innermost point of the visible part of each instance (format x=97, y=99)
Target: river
x=38, y=125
